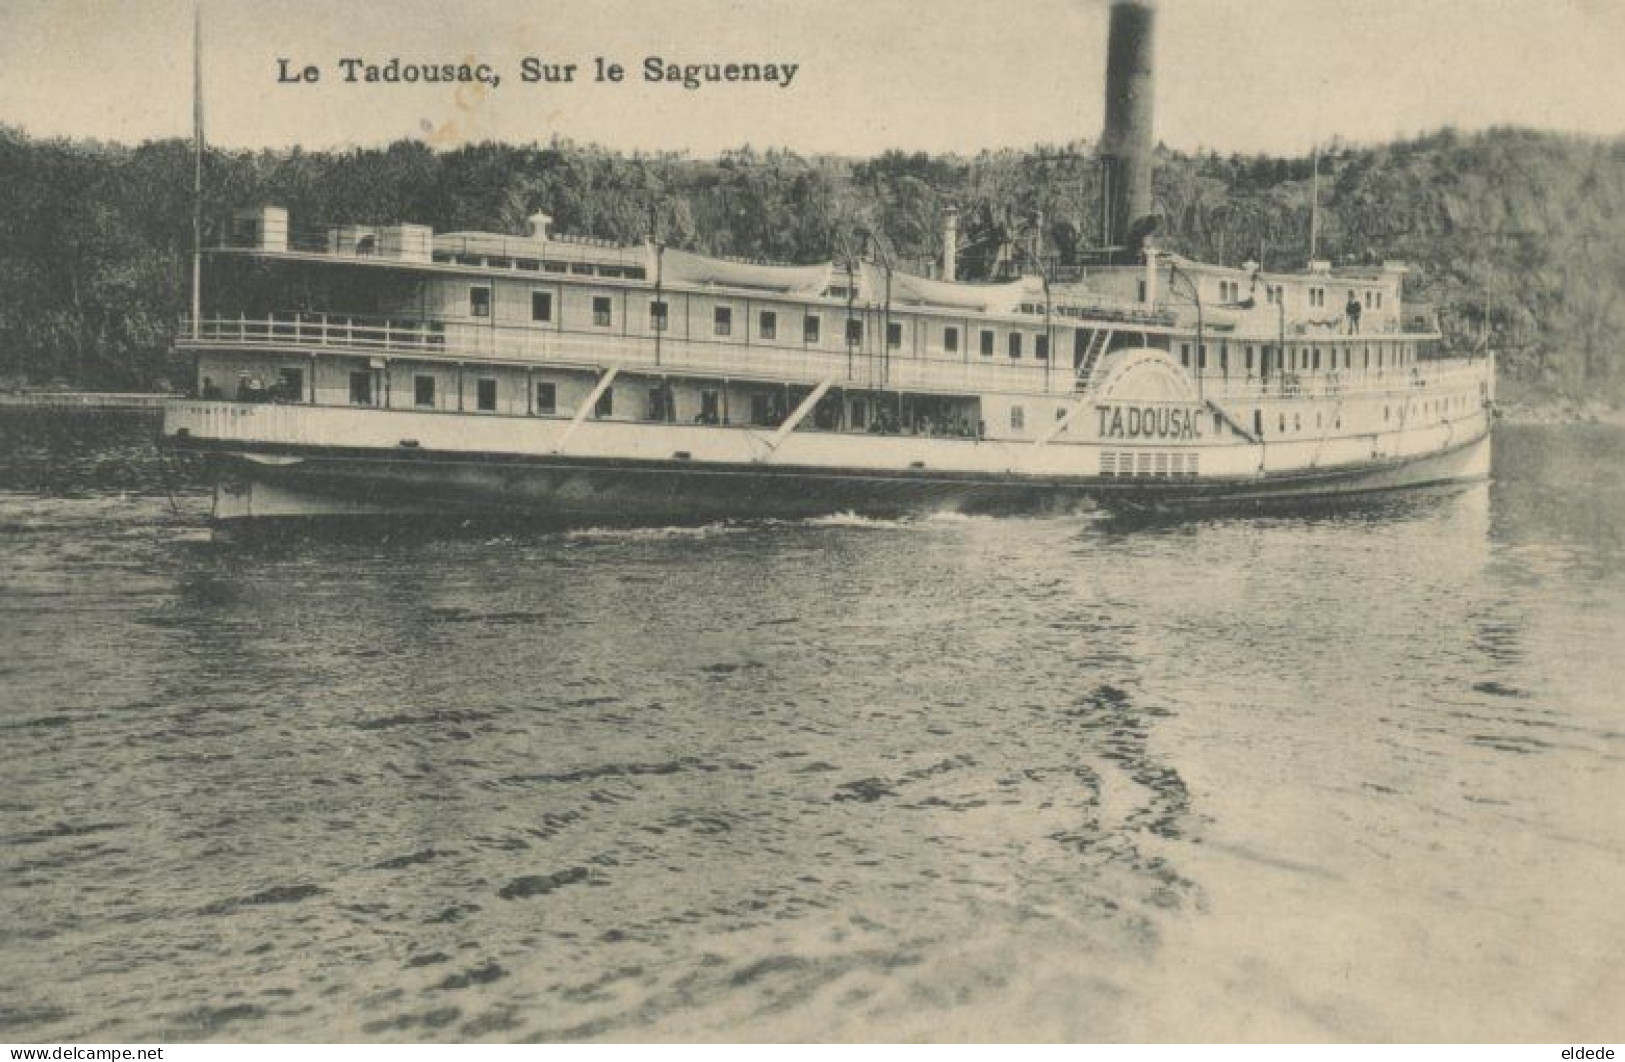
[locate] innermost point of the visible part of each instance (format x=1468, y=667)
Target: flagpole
x=1314, y=207
x=197, y=171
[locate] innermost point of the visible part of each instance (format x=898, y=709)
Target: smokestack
x=1125, y=146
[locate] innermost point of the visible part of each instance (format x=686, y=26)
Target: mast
x=197, y=171
x=1314, y=207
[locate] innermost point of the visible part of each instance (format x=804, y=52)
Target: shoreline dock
x=123, y=402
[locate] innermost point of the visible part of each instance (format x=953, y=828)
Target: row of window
x=767, y=324
x=541, y=305
x=1305, y=358
x=663, y=404
x=533, y=265
x=1317, y=297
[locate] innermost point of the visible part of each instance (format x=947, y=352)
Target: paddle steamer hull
x=272, y=477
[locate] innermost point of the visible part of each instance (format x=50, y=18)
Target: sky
x=1260, y=76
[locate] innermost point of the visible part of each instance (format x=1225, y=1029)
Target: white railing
x=320, y=330
x=1441, y=373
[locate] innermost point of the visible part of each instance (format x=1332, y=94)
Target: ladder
x=1099, y=340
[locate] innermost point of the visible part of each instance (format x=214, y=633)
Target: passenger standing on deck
x=1353, y=310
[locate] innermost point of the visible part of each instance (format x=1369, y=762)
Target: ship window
x=658, y=316
x=361, y=388
x=1224, y=358
x=662, y=403
x=530, y=265
x=723, y=320
x=1258, y=423
x=1201, y=355
x=1317, y=358
x=768, y=324
x=600, y=311
x=547, y=398
x=1041, y=348
x=485, y=395
x=1249, y=356
x=423, y=390
x=860, y=413
x=1015, y=344
x=1379, y=300
x=1297, y=422
x=1142, y=291
x=987, y=343
x=894, y=334
x=605, y=406
x=1185, y=355
x=1018, y=418
x=479, y=302
x=710, y=407
x=541, y=306
x=1281, y=424
x=809, y=329
x=290, y=384
x=950, y=339
x=854, y=332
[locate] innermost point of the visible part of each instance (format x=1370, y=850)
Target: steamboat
x=393, y=370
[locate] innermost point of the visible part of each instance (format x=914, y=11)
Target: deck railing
x=967, y=373
x=497, y=344
x=384, y=335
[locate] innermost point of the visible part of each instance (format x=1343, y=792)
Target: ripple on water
x=845, y=778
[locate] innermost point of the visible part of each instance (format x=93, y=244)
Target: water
x=1337, y=776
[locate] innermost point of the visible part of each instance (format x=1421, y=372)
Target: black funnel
x=1126, y=144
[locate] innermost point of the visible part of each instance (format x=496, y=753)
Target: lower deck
x=1167, y=405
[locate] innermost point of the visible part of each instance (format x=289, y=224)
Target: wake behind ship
x=395, y=370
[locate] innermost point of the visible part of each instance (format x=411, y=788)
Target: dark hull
x=306, y=482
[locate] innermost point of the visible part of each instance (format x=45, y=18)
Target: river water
x=1349, y=775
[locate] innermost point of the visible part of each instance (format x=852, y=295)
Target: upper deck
x=403, y=291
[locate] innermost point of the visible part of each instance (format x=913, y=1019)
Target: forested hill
x=1515, y=232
